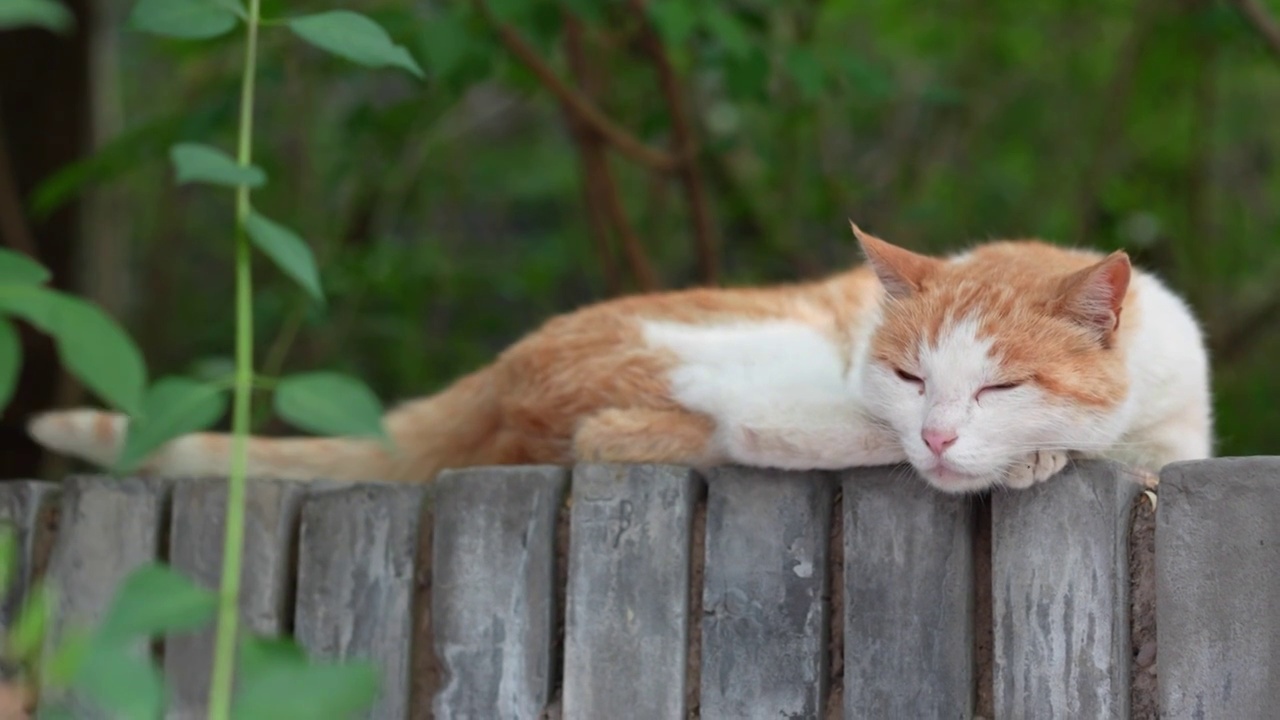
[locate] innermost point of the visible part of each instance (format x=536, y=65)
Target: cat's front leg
x=799, y=447
x=1035, y=467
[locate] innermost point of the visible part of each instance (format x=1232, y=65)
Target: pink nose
x=939, y=440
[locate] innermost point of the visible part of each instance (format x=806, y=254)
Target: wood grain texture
x=196, y=532
x=357, y=555
x=908, y=594
x=1217, y=584
x=765, y=616
x=24, y=508
x=107, y=528
x=1061, y=595
x=627, y=620
x=493, y=601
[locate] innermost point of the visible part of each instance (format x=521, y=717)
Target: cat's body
x=986, y=368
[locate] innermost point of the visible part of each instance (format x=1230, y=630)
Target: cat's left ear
x=1094, y=296
x=901, y=272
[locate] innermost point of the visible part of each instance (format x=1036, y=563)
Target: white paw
x=1035, y=468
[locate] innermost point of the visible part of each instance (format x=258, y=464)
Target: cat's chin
x=952, y=481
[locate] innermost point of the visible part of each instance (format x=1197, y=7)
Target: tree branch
x=684, y=145
x=1266, y=25
x=600, y=186
x=590, y=150
x=580, y=106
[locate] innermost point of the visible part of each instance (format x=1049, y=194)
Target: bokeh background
x=558, y=153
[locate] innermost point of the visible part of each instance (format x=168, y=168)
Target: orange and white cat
x=990, y=367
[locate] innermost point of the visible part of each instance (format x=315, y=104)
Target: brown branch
x=590, y=151
x=684, y=145
x=600, y=188
x=580, y=106
x=1266, y=26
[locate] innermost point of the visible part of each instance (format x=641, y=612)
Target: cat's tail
x=449, y=429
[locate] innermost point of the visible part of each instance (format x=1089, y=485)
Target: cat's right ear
x=901, y=272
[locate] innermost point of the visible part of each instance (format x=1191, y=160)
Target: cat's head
x=984, y=358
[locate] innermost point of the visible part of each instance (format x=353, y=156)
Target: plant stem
x=233, y=544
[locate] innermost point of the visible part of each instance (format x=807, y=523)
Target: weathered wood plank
x=1061, y=595
x=107, y=528
x=1217, y=556
x=493, y=600
x=764, y=628
x=627, y=615
x=357, y=551
x=195, y=549
x=908, y=594
x=24, y=506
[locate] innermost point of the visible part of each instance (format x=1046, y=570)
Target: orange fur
x=1026, y=310
x=586, y=385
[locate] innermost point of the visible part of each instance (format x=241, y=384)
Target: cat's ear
x=901, y=272
x=1094, y=296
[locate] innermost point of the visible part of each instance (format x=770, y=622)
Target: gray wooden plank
x=493, y=600
x=357, y=553
x=1217, y=619
x=195, y=548
x=908, y=594
x=764, y=627
x=1061, y=595
x=107, y=528
x=627, y=602
x=24, y=506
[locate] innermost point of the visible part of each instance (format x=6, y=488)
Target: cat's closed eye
x=999, y=387
x=908, y=376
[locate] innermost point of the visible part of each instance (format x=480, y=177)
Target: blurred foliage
x=448, y=218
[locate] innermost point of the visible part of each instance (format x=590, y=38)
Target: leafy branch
x=102, y=665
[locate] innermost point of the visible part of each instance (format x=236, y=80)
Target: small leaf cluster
x=110, y=668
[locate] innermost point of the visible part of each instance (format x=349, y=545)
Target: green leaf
x=809, y=76
x=91, y=344
x=8, y=556
x=354, y=37
x=38, y=13
x=26, y=637
x=289, y=252
x=69, y=656
x=122, y=680
x=155, y=599
x=329, y=403
x=675, y=20
x=729, y=31
x=193, y=162
x=173, y=406
x=16, y=268
x=186, y=19
x=746, y=78
x=276, y=682
x=10, y=361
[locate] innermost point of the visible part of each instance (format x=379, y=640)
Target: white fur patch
x=778, y=393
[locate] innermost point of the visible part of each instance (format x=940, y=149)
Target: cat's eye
x=1001, y=386
x=908, y=376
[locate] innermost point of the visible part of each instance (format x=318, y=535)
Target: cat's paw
x=1036, y=467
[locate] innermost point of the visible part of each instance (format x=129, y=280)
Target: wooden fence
x=648, y=592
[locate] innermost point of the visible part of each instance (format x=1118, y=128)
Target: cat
x=991, y=367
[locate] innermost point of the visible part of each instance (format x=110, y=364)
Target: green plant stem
x=233, y=544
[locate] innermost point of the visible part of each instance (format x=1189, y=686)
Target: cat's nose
x=938, y=440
